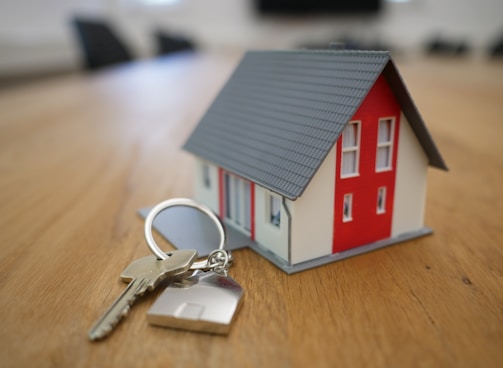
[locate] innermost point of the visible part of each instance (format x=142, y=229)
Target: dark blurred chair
x=496, y=47
x=443, y=47
x=100, y=45
x=167, y=43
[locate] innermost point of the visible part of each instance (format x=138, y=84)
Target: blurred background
x=43, y=38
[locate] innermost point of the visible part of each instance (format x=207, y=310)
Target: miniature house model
x=315, y=156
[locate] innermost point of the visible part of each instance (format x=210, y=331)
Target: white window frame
x=238, y=202
x=347, y=199
x=273, y=203
x=355, y=149
x=381, y=204
x=388, y=145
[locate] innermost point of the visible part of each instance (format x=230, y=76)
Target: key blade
x=145, y=274
x=116, y=311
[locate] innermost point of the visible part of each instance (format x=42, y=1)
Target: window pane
x=247, y=206
x=238, y=205
x=237, y=201
x=350, y=135
x=384, y=134
x=383, y=160
x=381, y=200
x=347, y=207
x=206, y=176
x=275, y=206
x=350, y=149
x=227, y=195
x=349, y=162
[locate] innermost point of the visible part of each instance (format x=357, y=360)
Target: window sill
x=349, y=176
x=384, y=169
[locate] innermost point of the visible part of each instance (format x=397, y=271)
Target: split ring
x=182, y=202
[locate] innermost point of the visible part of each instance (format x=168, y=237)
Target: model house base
x=289, y=268
x=187, y=229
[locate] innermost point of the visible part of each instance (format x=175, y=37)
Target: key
x=143, y=275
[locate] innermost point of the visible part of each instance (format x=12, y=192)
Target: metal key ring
x=187, y=203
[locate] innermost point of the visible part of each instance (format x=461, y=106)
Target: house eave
x=409, y=109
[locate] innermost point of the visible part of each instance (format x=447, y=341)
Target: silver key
x=143, y=275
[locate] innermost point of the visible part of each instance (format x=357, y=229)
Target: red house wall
x=366, y=225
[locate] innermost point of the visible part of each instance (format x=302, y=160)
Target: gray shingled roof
x=281, y=112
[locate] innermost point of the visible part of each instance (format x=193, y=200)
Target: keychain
x=202, y=296
x=205, y=299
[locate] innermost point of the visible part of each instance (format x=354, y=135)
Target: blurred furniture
x=167, y=43
x=495, y=49
x=100, y=44
x=303, y=7
x=445, y=47
x=79, y=155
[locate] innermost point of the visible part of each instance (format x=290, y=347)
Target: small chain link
x=219, y=261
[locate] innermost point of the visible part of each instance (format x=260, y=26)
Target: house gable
x=410, y=186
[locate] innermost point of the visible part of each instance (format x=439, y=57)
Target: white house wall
x=410, y=187
x=313, y=215
x=268, y=235
x=207, y=195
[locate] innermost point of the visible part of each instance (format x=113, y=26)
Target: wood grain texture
x=80, y=154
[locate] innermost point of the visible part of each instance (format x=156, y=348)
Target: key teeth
x=104, y=331
x=95, y=336
x=119, y=317
x=101, y=334
x=125, y=312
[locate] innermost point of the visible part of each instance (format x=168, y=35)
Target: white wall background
x=35, y=34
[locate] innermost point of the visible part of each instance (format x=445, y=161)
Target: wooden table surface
x=80, y=154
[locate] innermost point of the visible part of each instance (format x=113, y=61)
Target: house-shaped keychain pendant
x=315, y=155
x=205, y=302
